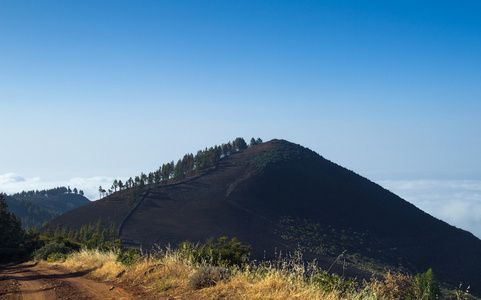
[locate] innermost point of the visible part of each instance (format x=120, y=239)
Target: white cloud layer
x=13, y=183
x=457, y=202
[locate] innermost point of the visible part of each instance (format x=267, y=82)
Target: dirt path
x=29, y=281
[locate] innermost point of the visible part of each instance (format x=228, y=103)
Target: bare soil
x=37, y=282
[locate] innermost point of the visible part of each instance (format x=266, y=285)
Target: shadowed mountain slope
x=35, y=210
x=278, y=195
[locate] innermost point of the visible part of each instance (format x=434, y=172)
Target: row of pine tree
x=204, y=159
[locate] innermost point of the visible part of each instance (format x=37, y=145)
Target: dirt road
x=29, y=281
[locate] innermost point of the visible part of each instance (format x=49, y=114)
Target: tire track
x=34, y=282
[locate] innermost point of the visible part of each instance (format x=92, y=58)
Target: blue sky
x=95, y=90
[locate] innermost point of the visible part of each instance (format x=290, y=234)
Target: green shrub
x=44, y=240
x=114, y=245
x=208, y=276
x=53, y=257
x=332, y=282
x=51, y=248
x=128, y=257
x=222, y=252
x=426, y=287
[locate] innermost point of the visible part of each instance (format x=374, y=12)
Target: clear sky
x=96, y=90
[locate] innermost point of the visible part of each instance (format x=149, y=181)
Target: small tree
x=100, y=191
x=239, y=144
x=143, y=178
x=426, y=287
x=226, y=149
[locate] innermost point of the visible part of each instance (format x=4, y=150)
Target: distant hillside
x=278, y=196
x=37, y=207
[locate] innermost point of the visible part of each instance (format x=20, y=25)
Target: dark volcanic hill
x=281, y=195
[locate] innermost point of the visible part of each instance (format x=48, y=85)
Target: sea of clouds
x=457, y=202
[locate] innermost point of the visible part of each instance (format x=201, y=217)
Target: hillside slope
x=35, y=210
x=278, y=196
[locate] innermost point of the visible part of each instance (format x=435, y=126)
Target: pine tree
x=239, y=144
x=11, y=233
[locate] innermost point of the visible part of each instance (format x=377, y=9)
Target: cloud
x=90, y=185
x=457, y=202
x=10, y=178
x=13, y=183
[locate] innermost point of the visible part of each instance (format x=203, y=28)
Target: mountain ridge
x=278, y=190
x=34, y=209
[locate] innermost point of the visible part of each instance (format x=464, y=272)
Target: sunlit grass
x=167, y=274
x=98, y=263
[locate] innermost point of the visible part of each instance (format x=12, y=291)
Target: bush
x=393, y=286
x=222, y=252
x=50, y=248
x=332, y=282
x=426, y=287
x=208, y=276
x=128, y=257
x=53, y=257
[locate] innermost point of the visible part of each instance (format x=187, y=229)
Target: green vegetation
x=19, y=244
x=357, y=248
x=425, y=287
x=223, y=252
x=35, y=208
x=12, y=235
x=32, y=214
x=52, y=251
x=91, y=236
x=128, y=256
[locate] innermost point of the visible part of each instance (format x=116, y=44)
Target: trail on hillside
x=29, y=281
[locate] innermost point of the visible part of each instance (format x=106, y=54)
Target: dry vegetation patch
x=170, y=274
x=99, y=264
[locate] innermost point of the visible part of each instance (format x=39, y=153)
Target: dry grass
x=167, y=275
x=99, y=264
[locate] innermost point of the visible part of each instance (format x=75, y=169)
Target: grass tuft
x=208, y=276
